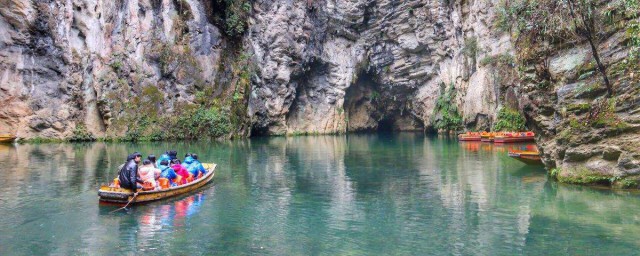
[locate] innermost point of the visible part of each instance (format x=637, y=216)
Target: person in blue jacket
x=196, y=167
x=187, y=161
x=163, y=157
x=167, y=172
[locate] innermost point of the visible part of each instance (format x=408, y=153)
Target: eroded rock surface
x=310, y=53
x=65, y=63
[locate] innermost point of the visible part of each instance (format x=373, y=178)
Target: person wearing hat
x=128, y=175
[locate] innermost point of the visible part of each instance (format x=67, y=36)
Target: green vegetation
x=201, y=122
x=375, y=96
x=633, y=32
x=578, y=107
x=446, y=113
x=116, y=65
x=509, y=120
x=603, y=115
x=538, y=26
x=38, y=140
x=600, y=115
x=177, y=60
x=579, y=176
x=235, y=17
x=142, y=117
x=504, y=59
x=80, y=133
x=627, y=183
x=587, y=90
x=471, y=47
x=585, y=180
x=243, y=70
x=586, y=177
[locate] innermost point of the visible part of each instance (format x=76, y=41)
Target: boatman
x=128, y=175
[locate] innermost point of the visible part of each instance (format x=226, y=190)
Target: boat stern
x=114, y=195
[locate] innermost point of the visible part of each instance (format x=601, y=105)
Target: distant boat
x=469, y=136
x=119, y=195
x=512, y=137
x=7, y=138
x=527, y=157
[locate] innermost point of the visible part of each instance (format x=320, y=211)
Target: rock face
x=336, y=66
x=323, y=66
x=65, y=63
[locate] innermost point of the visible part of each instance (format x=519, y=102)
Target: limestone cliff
x=328, y=66
x=91, y=65
x=336, y=66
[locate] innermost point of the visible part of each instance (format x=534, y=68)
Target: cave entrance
x=372, y=107
x=386, y=125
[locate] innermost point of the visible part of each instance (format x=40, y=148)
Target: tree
x=584, y=21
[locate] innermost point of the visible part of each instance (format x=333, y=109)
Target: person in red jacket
x=180, y=170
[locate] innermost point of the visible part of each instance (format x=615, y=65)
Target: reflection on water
x=355, y=194
x=500, y=148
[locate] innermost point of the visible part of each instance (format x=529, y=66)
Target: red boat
x=512, y=137
x=469, y=136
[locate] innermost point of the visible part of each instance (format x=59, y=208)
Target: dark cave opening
x=216, y=11
x=386, y=125
x=259, y=131
x=373, y=107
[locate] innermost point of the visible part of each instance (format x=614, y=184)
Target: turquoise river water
x=372, y=194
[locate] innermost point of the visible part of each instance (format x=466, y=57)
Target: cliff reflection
x=353, y=194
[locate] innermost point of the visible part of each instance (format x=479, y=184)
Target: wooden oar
x=125, y=206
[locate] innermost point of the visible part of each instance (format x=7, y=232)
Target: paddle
x=125, y=206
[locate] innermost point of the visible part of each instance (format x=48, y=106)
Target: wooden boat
x=469, y=136
x=513, y=137
x=7, y=138
x=487, y=136
x=527, y=157
x=122, y=196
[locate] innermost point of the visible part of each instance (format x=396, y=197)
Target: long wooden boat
x=7, y=138
x=513, y=137
x=469, y=136
x=527, y=157
x=122, y=196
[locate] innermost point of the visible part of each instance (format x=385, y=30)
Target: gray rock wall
x=67, y=63
x=311, y=52
x=60, y=61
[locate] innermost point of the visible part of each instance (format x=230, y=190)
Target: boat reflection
x=173, y=213
x=475, y=146
x=164, y=213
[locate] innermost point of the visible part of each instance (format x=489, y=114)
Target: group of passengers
x=165, y=172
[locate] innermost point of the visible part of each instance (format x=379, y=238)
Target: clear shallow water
x=377, y=194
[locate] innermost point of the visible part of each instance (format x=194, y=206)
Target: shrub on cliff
x=235, y=16
x=509, y=120
x=447, y=117
x=202, y=122
x=80, y=133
